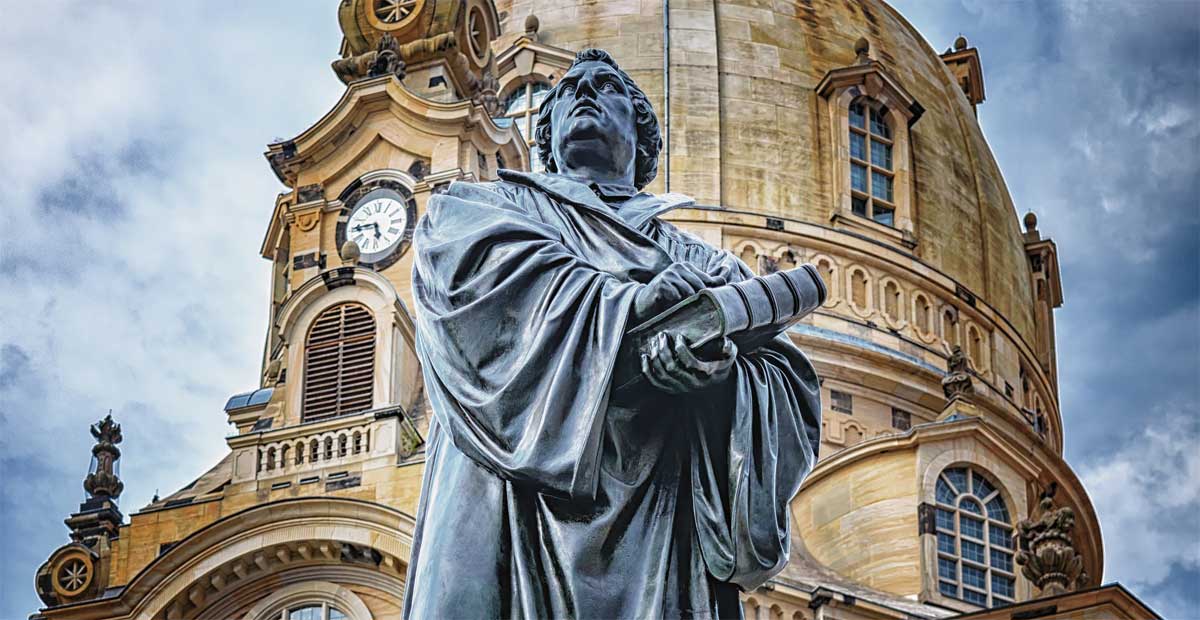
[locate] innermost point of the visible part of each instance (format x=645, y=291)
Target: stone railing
x=318, y=445
x=314, y=451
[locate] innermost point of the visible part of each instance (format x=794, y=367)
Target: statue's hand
x=673, y=368
x=671, y=286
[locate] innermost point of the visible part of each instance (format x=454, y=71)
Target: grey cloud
x=152, y=302
x=1092, y=114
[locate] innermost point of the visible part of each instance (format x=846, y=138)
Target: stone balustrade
x=314, y=451
x=318, y=445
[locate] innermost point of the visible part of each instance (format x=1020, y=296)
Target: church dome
x=747, y=132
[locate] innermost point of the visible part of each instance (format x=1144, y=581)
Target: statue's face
x=593, y=122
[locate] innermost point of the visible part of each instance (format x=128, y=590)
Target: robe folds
x=545, y=494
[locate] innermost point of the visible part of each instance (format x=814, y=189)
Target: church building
x=808, y=131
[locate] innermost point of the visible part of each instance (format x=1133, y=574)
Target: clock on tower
x=378, y=216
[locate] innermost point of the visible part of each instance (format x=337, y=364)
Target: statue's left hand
x=673, y=368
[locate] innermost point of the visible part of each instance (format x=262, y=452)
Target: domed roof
x=748, y=131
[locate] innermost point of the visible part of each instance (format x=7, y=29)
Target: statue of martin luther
x=549, y=493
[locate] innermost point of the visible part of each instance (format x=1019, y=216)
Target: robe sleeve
x=517, y=337
x=750, y=452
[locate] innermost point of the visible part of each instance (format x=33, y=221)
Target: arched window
x=314, y=612
x=521, y=107
x=974, y=539
x=872, y=174
x=339, y=362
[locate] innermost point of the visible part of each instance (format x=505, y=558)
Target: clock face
x=377, y=224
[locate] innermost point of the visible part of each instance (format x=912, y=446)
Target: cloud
x=1148, y=495
x=136, y=196
x=1092, y=114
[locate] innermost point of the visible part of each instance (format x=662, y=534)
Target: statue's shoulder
x=500, y=193
x=668, y=231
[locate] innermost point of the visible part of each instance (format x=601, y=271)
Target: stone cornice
x=879, y=84
x=363, y=97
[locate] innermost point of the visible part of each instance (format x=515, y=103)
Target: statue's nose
x=585, y=87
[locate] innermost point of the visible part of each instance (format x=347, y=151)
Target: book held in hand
x=750, y=313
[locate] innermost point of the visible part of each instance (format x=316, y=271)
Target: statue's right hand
x=671, y=286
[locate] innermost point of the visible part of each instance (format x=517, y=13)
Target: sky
x=135, y=197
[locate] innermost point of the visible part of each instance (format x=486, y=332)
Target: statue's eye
x=609, y=86
x=568, y=88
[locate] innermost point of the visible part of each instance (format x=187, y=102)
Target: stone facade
x=756, y=100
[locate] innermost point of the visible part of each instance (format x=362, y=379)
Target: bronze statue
x=619, y=421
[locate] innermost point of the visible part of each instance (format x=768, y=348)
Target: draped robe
x=547, y=495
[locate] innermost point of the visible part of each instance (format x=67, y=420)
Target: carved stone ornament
x=386, y=59
x=72, y=573
x=957, y=382
x=308, y=221
x=103, y=481
x=1046, y=554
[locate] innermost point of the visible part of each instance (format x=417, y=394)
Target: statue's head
x=596, y=117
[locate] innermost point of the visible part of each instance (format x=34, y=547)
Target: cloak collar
x=633, y=212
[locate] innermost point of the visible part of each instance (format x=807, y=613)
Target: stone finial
x=960, y=43
x=957, y=382
x=1030, y=222
x=1046, y=554
x=862, y=51
x=350, y=253
x=102, y=480
x=531, y=26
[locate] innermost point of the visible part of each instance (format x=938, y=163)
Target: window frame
x=872, y=110
x=849, y=398
x=326, y=610
x=985, y=542
x=839, y=89
x=340, y=344
x=528, y=112
x=280, y=603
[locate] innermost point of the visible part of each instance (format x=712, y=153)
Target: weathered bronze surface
x=548, y=492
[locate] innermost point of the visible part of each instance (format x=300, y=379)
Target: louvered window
x=339, y=363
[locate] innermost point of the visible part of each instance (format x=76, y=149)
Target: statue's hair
x=649, y=141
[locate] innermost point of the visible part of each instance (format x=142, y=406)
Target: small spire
x=531, y=26
x=960, y=43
